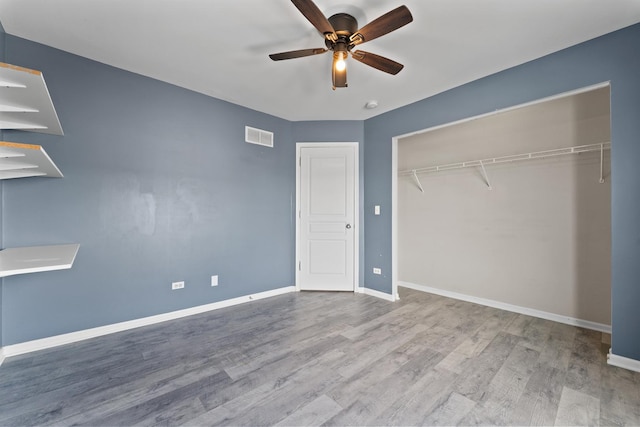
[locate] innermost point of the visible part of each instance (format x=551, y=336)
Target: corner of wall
x=2, y=55
x=2, y=42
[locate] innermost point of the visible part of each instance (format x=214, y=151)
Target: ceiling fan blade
x=296, y=54
x=338, y=78
x=385, y=24
x=310, y=11
x=376, y=61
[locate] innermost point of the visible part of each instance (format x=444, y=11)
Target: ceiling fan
x=341, y=35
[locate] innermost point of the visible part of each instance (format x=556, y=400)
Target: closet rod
x=512, y=158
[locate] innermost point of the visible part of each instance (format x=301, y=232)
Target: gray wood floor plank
x=419, y=399
x=385, y=340
x=577, y=409
x=450, y=412
x=331, y=359
x=378, y=390
x=392, y=317
x=556, y=351
x=585, y=375
x=272, y=373
x=282, y=396
x=478, y=372
x=619, y=397
x=350, y=416
x=315, y=413
x=503, y=392
x=172, y=407
x=255, y=358
x=106, y=401
x=468, y=349
x=538, y=404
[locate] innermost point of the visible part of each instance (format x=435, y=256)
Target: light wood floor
x=328, y=358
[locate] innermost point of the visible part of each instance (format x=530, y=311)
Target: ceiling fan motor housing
x=344, y=26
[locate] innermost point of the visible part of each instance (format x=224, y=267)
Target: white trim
x=356, y=208
x=623, y=362
x=2, y=355
x=372, y=292
x=394, y=217
x=587, y=324
x=44, y=343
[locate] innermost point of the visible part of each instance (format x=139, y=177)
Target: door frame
x=395, y=140
x=356, y=207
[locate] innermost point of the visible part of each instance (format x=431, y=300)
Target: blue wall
x=613, y=57
x=159, y=186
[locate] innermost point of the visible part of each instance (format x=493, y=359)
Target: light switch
x=376, y=210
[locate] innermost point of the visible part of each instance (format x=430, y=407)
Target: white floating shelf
x=37, y=258
x=16, y=109
x=25, y=103
x=25, y=160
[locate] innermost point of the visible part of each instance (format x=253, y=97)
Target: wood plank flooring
x=328, y=359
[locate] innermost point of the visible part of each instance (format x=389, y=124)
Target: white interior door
x=326, y=226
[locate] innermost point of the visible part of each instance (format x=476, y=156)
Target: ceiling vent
x=258, y=136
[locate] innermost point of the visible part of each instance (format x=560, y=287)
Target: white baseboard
x=2, y=356
x=44, y=343
x=377, y=294
x=623, y=362
x=600, y=327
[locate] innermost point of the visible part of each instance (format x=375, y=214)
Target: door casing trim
x=356, y=196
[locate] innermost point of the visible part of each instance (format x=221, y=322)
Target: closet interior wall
x=541, y=237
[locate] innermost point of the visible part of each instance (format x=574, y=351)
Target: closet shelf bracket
x=578, y=149
x=417, y=180
x=486, y=177
x=601, y=163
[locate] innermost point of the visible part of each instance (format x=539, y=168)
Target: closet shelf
x=37, y=258
x=507, y=159
x=25, y=160
x=25, y=103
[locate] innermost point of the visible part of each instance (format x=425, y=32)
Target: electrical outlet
x=377, y=270
x=177, y=285
x=214, y=280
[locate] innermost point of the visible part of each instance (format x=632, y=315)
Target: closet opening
x=511, y=209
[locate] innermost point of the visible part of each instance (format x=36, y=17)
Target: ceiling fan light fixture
x=341, y=64
x=341, y=34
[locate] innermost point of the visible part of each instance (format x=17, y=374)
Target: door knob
x=348, y=226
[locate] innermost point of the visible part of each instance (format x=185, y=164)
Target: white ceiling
x=220, y=48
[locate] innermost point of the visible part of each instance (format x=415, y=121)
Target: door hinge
x=299, y=265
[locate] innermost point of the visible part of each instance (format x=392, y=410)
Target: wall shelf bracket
x=417, y=180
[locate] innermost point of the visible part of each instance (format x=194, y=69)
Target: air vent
x=258, y=136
